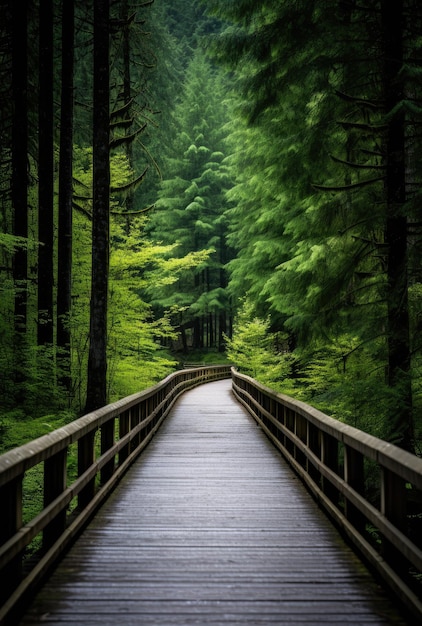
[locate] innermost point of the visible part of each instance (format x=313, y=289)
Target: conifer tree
x=323, y=132
x=191, y=208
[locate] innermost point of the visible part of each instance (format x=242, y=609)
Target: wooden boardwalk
x=210, y=527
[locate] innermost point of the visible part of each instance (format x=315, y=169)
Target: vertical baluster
x=124, y=426
x=355, y=477
x=86, y=458
x=107, y=441
x=134, y=421
x=313, y=444
x=329, y=455
x=301, y=433
x=284, y=415
x=277, y=410
x=54, y=484
x=394, y=507
x=10, y=523
x=290, y=424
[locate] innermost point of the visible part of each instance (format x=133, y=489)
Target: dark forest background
x=211, y=181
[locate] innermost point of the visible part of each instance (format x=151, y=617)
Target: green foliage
x=135, y=337
x=268, y=188
x=137, y=266
x=9, y=243
x=204, y=357
x=140, y=267
x=345, y=380
x=192, y=204
x=17, y=427
x=255, y=350
x=309, y=210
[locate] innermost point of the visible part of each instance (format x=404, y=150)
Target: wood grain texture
x=210, y=527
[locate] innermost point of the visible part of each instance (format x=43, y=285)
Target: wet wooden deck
x=210, y=527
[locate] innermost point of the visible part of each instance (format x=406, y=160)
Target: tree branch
x=131, y=186
x=366, y=103
x=118, y=141
x=359, y=166
x=362, y=183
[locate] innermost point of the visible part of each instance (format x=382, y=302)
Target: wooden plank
x=210, y=527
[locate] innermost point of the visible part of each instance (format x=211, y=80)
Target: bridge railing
x=103, y=443
x=370, y=488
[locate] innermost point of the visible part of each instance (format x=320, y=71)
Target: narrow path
x=210, y=527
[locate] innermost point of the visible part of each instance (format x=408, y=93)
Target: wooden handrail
x=107, y=440
x=334, y=460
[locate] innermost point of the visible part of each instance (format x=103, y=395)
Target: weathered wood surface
x=210, y=527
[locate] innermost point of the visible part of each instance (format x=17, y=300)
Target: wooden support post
x=329, y=455
x=135, y=418
x=10, y=523
x=313, y=443
x=124, y=427
x=107, y=442
x=86, y=458
x=54, y=484
x=394, y=507
x=301, y=431
x=355, y=477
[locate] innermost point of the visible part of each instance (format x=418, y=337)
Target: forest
x=211, y=181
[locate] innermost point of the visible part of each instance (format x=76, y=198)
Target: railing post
x=135, y=418
x=301, y=432
x=107, y=441
x=329, y=457
x=54, y=484
x=146, y=409
x=10, y=523
x=86, y=458
x=290, y=425
x=313, y=443
x=394, y=507
x=355, y=477
x=124, y=426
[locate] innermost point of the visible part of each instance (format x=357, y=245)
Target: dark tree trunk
x=197, y=330
x=97, y=361
x=64, y=269
x=19, y=187
x=45, y=176
x=127, y=90
x=20, y=157
x=222, y=318
x=222, y=330
x=399, y=353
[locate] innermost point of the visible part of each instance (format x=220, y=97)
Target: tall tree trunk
x=64, y=269
x=20, y=177
x=127, y=96
x=45, y=176
x=97, y=360
x=399, y=353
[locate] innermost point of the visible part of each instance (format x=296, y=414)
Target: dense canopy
x=219, y=180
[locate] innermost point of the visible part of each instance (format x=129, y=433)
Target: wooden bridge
x=210, y=525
